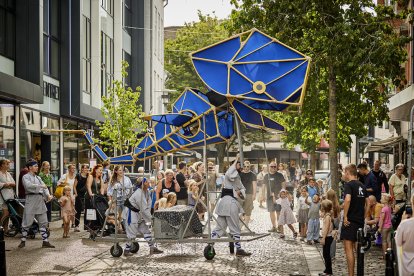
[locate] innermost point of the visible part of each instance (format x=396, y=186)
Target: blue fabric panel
x=226, y=126
x=171, y=119
x=211, y=127
x=195, y=104
x=179, y=102
x=295, y=96
x=248, y=115
x=161, y=130
x=178, y=139
x=256, y=40
x=272, y=124
x=238, y=84
x=123, y=159
x=145, y=142
x=223, y=51
x=208, y=142
x=165, y=145
x=213, y=74
x=256, y=96
x=89, y=139
x=100, y=153
x=273, y=51
x=266, y=72
x=285, y=86
x=266, y=105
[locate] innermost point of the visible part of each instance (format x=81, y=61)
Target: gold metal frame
x=230, y=66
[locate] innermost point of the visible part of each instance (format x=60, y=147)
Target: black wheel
x=134, y=247
x=209, y=252
x=13, y=225
x=92, y=235
x=231, y=247
x=116, y=251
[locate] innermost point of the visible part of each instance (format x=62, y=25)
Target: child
x=171, y=199
x=193, y=197
x=165, y=193
x=286, y=215
x=327, y=238
x=67, y=202
x=385, y=224
x=162, y=204
x=313, y=221
x=304, y=202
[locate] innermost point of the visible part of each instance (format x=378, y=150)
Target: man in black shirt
x=381, y=177
x=356, y=202
x=274, y=182
x=248, y=178
x=182, y=196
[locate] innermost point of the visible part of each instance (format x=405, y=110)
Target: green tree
x=356, y=56
x=123, y=116
x=181, y=73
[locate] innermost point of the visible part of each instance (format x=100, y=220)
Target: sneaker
x=316, y=241
x=127, y=253
x=73, y=225
x=242, y=253
x=154, y=250
x=309, y=242
x=22, y=244
x=302, y=239
x=47, y=244
x=76, y=229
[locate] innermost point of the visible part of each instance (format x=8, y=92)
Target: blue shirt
x=370, y=182
x=312, y=191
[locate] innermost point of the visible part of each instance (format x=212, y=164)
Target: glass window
x=127, y=58
x=54, y=59
x=51, y=47
x=30, y=137
x=52, y=123
x=7, y=28
x=70, y=144
x=7, y=136
x=108, y=6
x=107, y=59
x=86, y=54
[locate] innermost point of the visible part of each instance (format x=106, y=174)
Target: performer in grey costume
x=137, y=221
x=228, y=208
x=35, y=207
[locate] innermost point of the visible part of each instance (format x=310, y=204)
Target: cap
x=165, y=191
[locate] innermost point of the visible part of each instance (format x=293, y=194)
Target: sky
x=178, y=12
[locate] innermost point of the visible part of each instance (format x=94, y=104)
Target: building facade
x=57, y=59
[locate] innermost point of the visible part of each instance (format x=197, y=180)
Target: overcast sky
x=178, y=12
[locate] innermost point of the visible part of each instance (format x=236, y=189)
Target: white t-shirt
x=122, y=191
x=405, y=239
x=7, y=193
x=302, y=203
x=69, y=182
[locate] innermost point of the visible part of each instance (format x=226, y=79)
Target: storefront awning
x=384, y=146
x=400, y=105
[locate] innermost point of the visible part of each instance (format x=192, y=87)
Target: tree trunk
x=333, y=124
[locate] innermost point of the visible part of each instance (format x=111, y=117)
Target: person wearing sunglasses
x=274, y=182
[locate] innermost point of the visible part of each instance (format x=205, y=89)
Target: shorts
x=273, y=207
x=350, y=233
x=248, y=205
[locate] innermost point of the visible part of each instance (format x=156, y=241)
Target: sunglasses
x=273, y=166
x=309, y=174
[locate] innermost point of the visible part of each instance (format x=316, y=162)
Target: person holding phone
x=405, y=239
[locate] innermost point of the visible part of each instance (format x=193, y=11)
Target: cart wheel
x=209, y=252
x=231, y=246
x=116, y=251
x=134, y=247
x=92, y=236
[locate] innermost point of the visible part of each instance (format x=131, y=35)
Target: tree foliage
x=181, y=73
x=123, y=116
x=356, y=56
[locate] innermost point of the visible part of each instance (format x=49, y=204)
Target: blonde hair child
x=67, y=203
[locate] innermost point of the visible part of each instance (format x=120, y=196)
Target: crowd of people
x=367, y=199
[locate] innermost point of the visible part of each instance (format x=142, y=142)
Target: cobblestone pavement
x=271, y=256
x=373, y=265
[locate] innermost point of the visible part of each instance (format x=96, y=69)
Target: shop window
x=7, y=136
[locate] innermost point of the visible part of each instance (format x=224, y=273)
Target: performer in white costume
x=36, y=195
x=228, y=208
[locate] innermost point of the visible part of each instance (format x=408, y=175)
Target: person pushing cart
x=228, y=208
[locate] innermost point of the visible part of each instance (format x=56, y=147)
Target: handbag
x=59, y=189
x=90, y=214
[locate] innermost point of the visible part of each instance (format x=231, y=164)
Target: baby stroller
x=100, y=204
x=14, y=219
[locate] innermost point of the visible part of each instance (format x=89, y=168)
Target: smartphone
x=409, y=210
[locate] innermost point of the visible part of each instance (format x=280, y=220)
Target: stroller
x=14, y=219
x=100, y=204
